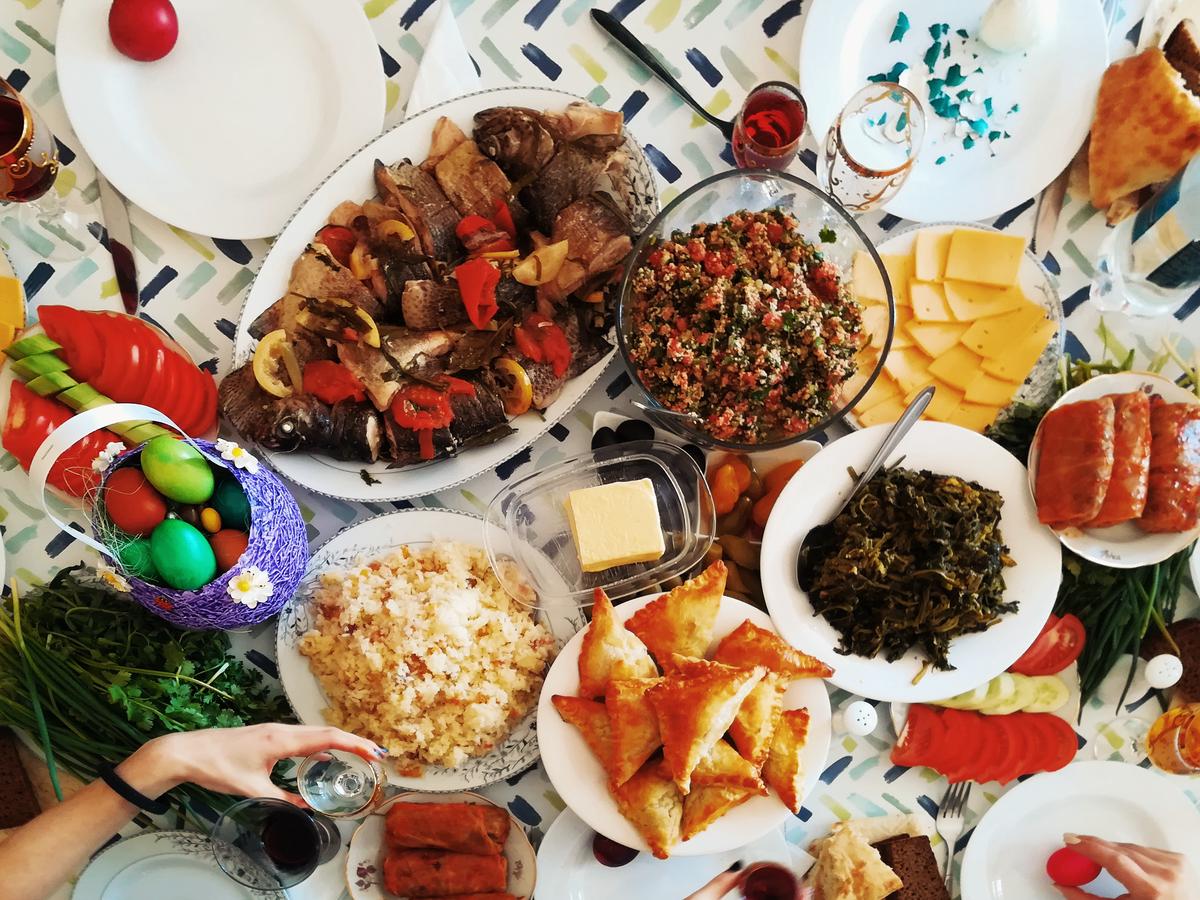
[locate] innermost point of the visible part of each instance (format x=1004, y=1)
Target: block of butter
x=615, y=524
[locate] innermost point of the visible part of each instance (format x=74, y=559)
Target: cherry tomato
x=340, y=240
x=144, y=30
x=1059, y=645
x=1071, y=868
x=725, y=489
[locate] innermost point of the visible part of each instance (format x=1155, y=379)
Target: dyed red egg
x=131, y=503
x=228, y=546
x=1071, y=868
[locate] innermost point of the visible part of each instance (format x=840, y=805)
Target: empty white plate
x=231, y=130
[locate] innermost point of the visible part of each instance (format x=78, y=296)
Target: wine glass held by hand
x=234, y=761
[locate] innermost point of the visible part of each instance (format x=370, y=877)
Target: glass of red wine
x=769, y=126
x=272, y=845
x=768, y=881
x=28, y=169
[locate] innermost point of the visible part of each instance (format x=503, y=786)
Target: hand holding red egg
x=1147, y=873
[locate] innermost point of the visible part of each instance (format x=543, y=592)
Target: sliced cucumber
x=31, y=346
x=1051, y=694
x=51, y=383
x=31, y=367
x=143, y=431
x=1024, y=693
x=967, y=699
x=1000, y=689
x=79, y=396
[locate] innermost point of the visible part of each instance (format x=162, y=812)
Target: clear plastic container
x=532, y=513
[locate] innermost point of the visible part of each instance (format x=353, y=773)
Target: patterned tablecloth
x=194, y=286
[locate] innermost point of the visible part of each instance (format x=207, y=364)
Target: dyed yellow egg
x=210, y=519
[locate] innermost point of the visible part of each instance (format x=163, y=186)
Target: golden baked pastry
x=704, y=805
x=784, y=770
x=652, y=803
x=756, y=720
x=695, y=710
x=682, y=620
x=609, y=651
x=591, y=718
x=848, y=868
x=723, y=766
x=750, y=645
x=634, y=726
x=1146, y=128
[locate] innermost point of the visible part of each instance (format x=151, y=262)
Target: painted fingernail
x=737, y=865
x=1069, y=838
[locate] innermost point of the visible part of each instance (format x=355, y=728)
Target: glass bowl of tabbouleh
x=737, y=307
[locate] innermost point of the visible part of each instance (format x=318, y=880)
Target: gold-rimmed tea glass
x=872, y=146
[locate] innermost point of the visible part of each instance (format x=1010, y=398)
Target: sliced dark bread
x=20, y=803
x=1183, y=46
x=1186, y=633
x=912, y=859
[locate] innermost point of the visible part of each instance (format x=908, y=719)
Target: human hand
x=234, y=760
x=1147, y=873
x=730, y=879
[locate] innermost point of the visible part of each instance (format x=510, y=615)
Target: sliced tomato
x=207, y=387
x=187, y=409
x=1022, y=748
x=1059, y=645
x=75, y=331
x=54, y=321
x=921, y=738
x=965, y=739
x=1060, y=743
x=120, y=378
x=30, y=421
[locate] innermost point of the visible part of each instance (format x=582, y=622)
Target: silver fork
x=949, y=824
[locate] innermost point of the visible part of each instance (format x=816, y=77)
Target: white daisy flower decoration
x=231, y=452
x=250, y=587
x=112, y=577
x=105, y=457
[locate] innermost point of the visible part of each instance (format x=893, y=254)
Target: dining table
x=193, y=286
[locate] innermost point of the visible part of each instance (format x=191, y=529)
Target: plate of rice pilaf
x=745, y=323
x=401, y=632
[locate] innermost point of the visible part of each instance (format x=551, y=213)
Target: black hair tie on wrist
x=131, y=794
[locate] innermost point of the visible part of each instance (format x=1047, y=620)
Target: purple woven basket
x=278, y=545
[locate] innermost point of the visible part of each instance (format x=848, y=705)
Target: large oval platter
x=369, y=539
x=353, y=180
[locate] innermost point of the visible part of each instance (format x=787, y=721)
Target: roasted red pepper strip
x=419, y=406
x=503, y=219
x=458, y=387
x=332, y=382
x=543, y=341
x=468, y=225
x=425, y=443
x=477, y=280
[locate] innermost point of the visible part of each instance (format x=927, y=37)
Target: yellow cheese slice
x=930, y=250
x=990, y=391
x=994, y=335
x=12, y=306
x=970, y=301
x=901, y=338
x=875, y=324
x=865, y=361
x=945, y=401
x=882, y=413
x=900, y=272
x=868, y=283
x=7, y=333
x=989, y=257
x=881, y=391
x=910, y=368
x=973, y=416
x=929, y=302
x=1014, y=364
x=935, y=338
x=958, y=367
x=615, y=524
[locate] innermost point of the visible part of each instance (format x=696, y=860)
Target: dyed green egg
x=230, y=501
x=137, y=560
x=182, y=556
x=177, y=469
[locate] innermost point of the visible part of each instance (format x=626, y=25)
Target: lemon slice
x=275, y=361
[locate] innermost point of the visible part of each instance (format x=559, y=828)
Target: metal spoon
x=643, y=54
x=820, y=534
x=688, y=417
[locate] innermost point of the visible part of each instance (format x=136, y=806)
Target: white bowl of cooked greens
x=935, y=578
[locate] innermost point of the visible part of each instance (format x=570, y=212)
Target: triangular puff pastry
x=756, y=720
x=704, y=805
x=609, y=651
x=723, y=766
x=651, y=802
x=695, y=711
x=634, y=726
x=784, y=770
x=682, y=621
x=591, y=718
x=750, y=645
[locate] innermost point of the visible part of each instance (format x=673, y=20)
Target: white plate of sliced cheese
x=977, y=316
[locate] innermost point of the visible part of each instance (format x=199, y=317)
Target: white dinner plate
x=583, y=785
x=368, y=846
x=815, y=491
x=1123, y=546
x=1054, y=83
x=228, y=132
x=1037, y=284
x=354, y=180
x=368, y=539
x=568, y=869
x=1007, y=853
x=158, y=864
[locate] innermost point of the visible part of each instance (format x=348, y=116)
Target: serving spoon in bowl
x=822, y=535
